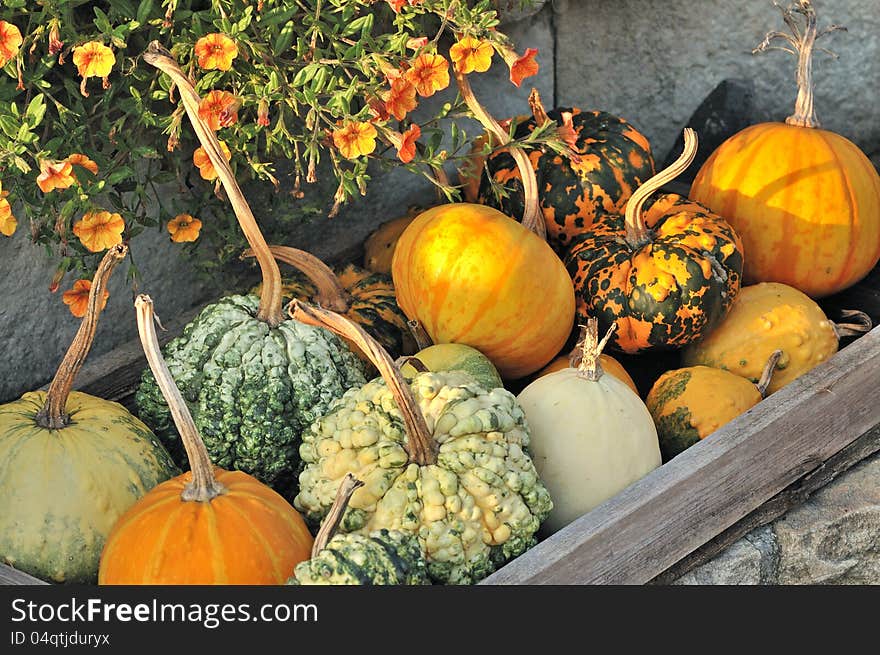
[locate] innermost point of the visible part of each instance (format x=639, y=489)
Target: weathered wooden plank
x=794, y=495
x=685, y=503
x=11, y=576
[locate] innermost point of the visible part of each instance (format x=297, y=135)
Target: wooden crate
x=680, y=515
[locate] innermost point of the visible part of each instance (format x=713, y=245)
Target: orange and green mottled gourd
x=207, y=526
x=71, y=464
x=689, y=404
x=806, y=201
x=665, y=274
x=773, y=316
x=379, y=246
x=470, y=274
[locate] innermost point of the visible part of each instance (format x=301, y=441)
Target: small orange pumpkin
x=805, y=201
x=207, y=526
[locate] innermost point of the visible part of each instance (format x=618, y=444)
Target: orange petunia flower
x=184, y=227
x=99, y=230
x=8, y=223
x=55, y=175
x=406, y=143
x=263, y=113
x=216, y=51
x=355, y=138
x=401, y=98
x=219, y=109
x=10, y=41
x=78, y=159
x=77, y=297
x=397, y=5
x=429, y=73
x=93, y=59
x=521, y=67
x=203, y=162
x=55, y=42
x=470, y=54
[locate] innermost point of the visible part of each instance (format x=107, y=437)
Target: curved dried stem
x=331, y=522
x=53, y=414
x=858, y=323
x=767, y=373
x=419, y=334
x=270, y=294
x=590, y=349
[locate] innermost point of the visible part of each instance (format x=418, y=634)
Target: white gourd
x=591, y=436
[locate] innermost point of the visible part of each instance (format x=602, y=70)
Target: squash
x=253, y=380
x=665, y=275
x=607, y=362
x=71, y=464
x=379, y=246
x=772, y=316
x=207, y=526
x=441, y=458
x=610, y=160
x=591, y=435
x=688, y=404
x=384, y=557
x=366, y=298
x=453, y=357
x=806, y=201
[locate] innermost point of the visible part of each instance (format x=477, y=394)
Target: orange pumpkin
x=207, y=526
x=805, y=201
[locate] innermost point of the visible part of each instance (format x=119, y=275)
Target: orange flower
x=263, y=113
x=77, y=298
x=82, y=160
x=184, y=227
x=355, y=138
x=397, y=5
x=10, y=41
x=93, y=59
x=406, y=143
x=521, y=67
x=219, y=109
x=7, y=220
x=401, y=98
x=99, y=230
x=55, y=175
x=55, y=42
x=203, y=162
x=429, y=73
x=471, y=54
x=216, y=52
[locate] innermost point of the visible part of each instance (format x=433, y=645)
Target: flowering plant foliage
x=296, y=90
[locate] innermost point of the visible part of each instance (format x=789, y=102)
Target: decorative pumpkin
x=366, y=298
x=441, y=458
x=607, y=362
x=71, y=464
x=805, y=201
x=384, y=557
x=610, y=160
x=592, y=436
x=666, y=274
x=772, y=316
x=253, y=380
x=454, y=357
x=379, y=246
x=689, y=404
x=207, y=526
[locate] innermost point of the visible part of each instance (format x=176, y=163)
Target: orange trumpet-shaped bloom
x=216, y=52
x=55, y=175
x=184, y=227
x=93, y=59
x=99, y=230
x=219, y=109
x=203, y=162
x=10, y=41
x=401, y=98
x=8, y=223
x=429, y=73
x=521, y=66
x=355, y=138
x=406, y=142
x=77, y=297
x=470, y=54
x=78, y=159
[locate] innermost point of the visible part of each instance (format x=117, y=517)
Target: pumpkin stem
x=420, y=446
x=203, y=486
x=532, y=217
x=862, y=324
x=800, y=42
x=413, y=361
x=591, y=347
x=637, y=233
x=53, y=415
x=331, y=294
x=331, y=522
x=420, y=335
x=767, y=373
x=270, y=294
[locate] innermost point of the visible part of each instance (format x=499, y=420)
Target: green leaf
x=10, y=126
x=285, y=38
x=306, y=74
x=119, y=175
x=144, y=9
x=36, y=109
x=102, y=22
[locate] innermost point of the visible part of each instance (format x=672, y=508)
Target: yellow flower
x=219, y=109
x=216, y=52
x=7, y=220
x=471, y=54
x=203, y=162
x=77, y=298
x=82, y=160
x=355, y=138
x=99, y=230
x=10, y=41
x=184, y=227
x=93, y=59
x=429, y=73
x=55, y=175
